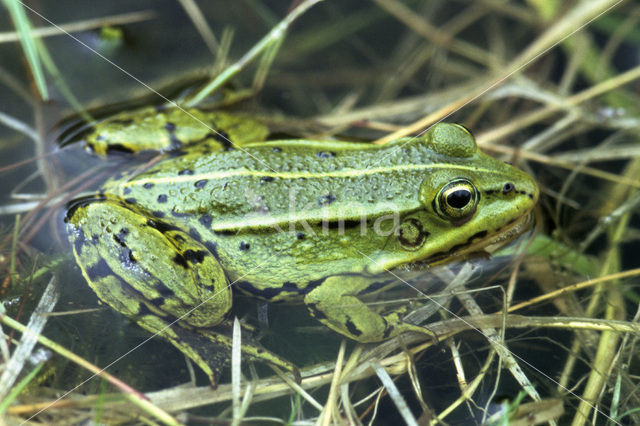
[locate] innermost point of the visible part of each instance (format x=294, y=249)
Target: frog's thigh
x=334, y=304
x=131, y=260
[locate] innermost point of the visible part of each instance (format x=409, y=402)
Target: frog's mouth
x=487, y=245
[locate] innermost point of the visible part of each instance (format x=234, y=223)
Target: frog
x=224, y=209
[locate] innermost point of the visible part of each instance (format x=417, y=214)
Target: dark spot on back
x=147, y=185
x=179, y=214
x=276, y=149
x=158, y=213
x=130, y=200
x=300, y=235
x=325, y=154
x=244, y=246
x=265, y=179
x=185, y=172
x=170, y=127
x=200, y=183
x=326, y=199
x=162, y=198
x=126, y=190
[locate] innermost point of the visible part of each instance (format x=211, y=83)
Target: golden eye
x=457, y=200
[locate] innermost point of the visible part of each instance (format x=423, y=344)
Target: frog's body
x=317, y=222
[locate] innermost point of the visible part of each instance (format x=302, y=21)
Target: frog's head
x=469, y=201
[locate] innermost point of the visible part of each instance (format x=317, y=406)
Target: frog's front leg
x=334, y=303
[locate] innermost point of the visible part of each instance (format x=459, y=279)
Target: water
x=342, y=61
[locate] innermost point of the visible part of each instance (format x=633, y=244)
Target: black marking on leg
x=179, y=259
x=387, y=332
x=157, y=302
x=121, y=121
x=213, y=248
x=195, y=256
x=126, y=258
x=315, y=312
x=143, y=310
x=193, y=233
x=224, y=139
x=164, y=291
x=118, y=147
x=268, y=293
x=353, y=329
x=79, y=241
x=120, y=236
x=161, y=227
x=74, y=205
x=373, y=287
x=100, y=270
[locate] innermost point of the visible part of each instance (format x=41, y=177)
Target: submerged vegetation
x=544, y=332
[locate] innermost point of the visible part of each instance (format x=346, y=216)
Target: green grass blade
x=23, y=27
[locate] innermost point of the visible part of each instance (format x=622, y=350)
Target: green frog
x=319, y=222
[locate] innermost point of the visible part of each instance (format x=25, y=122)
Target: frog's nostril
x=508, y=187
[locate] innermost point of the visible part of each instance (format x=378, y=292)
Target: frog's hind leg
x=210, y=349
x=159, y=276
x=152, y=272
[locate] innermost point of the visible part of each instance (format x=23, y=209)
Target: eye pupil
x=459, y=199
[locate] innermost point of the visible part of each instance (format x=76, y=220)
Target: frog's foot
x=210, y=349
x=335, y=305
x=253, y=350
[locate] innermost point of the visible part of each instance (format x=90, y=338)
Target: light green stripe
x=300, y=175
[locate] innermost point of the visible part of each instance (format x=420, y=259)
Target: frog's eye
x=457, y=200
